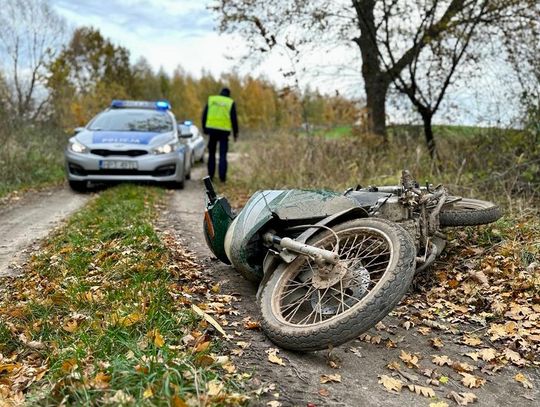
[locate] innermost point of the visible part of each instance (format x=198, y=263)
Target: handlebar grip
x=210, y=191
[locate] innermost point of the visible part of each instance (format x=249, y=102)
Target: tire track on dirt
x=24, y=222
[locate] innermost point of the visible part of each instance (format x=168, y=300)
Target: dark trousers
x=223, y=139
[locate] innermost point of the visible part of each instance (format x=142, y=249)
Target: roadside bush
x=30, y=156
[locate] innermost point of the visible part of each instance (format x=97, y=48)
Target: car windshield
x=132, y=120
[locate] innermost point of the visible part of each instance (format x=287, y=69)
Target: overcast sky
x=170, y=33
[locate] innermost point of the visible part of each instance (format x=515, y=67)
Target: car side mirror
x=79, y=129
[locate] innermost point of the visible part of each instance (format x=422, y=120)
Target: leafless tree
x=31, y=33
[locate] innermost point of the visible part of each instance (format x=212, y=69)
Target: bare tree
x=390, y=35
x=31, y=33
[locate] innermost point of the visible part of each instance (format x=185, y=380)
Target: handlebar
x=210, y=191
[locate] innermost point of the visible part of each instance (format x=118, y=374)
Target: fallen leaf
x=67, y=365
x=70, y=325
x=335, y=378
x=521, y=378
x=441, y=360
x=214, y=388
x=274, y=358
x=462, y=367
x=472, y=340
x=391, y=384
x=209, y=319
x=472, y=355
x=148, y=393
x=273, y=403
x=409, y=359
x=438, y=404
x=514, y=357
x=324, y=392
x=487, y=354
x=394, y=365
x=176, y=401
x=101, y=381
x=201, y=347
x=437, y=343
x=462, y=399
x=421, y=390
x=472, y=381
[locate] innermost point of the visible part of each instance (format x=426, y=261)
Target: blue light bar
x=163, y=104
x=188, y=122
x=141, y=104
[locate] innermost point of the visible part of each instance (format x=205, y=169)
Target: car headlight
x=166, y=148
x=77, y=147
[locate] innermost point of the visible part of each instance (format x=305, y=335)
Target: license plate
x=117, y=165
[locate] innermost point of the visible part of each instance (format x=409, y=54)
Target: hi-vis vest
x=219, y=113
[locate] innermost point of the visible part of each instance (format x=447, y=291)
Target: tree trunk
x=376, y=81
x=376, y=90
x=428, y=133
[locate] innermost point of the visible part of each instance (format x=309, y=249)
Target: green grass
x=98, y=303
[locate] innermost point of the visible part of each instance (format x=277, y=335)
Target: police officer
x=218, y=120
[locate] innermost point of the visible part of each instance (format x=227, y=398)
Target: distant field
x=400, y=130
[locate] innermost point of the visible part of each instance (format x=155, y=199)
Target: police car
x=196, y=142
x=131, y=140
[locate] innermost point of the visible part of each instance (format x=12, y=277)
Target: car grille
x=163, y=171
x=129, y=153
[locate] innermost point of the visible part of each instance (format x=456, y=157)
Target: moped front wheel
x=308, y=305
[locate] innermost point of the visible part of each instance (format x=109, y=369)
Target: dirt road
x=359, y=364
x=24, y=222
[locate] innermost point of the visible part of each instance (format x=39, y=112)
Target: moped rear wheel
x=469, y=212
x=305, y=307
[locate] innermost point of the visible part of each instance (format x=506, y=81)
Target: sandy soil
x=26, y=220
x=360, y=363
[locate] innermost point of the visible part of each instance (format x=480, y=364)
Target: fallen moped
x=331, y=265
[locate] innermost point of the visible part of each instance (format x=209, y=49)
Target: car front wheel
x=78, y=186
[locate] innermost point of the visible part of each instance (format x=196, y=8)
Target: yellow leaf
x=101, y=381
x=329, y=378
x=201, y=347
x=148, y=393
x=438, y=404
x=156, y=336
x=521, y=378
x=391, y=384
x=214, y=388
x=274, y=358
x=176, y=401
x=130, y=319
x=421, y=390
x=68, y=365
x=70, y=325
